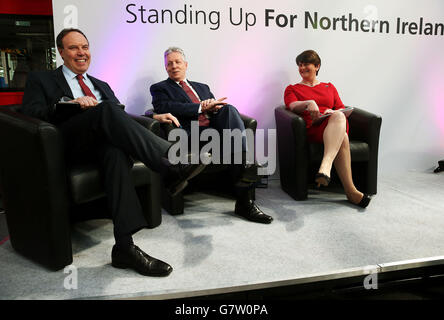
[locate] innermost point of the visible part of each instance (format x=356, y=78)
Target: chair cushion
x=86, y=182
x=359, y=151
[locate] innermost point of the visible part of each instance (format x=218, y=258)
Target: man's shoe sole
x=177, y=189
x=151, y=274
x=196, y=171
x=267, y=221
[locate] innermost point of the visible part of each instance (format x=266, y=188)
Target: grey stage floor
x=212, y=251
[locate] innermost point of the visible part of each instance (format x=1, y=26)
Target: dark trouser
x=228, y=117
x=108, y=135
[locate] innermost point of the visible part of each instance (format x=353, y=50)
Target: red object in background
x=4, y=240
x=32, y=7
x=22, y=7
x=7, y=98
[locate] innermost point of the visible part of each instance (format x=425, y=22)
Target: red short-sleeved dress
x=326, y=97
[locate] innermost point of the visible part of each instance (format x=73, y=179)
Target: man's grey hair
x=174, y=49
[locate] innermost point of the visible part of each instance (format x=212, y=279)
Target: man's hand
x=205, y=103
x=211, y=105
x=86, y=102
x=313, y=109
x=167, y=118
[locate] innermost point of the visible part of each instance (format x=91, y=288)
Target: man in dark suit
x=101, y=131
x=193, y=101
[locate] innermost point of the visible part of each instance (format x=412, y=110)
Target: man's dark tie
x=203, y=120
x=85, y=89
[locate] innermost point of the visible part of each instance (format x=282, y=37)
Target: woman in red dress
x=310, y=99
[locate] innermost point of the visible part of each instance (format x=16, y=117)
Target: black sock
x=243, y=194
x=124, y=241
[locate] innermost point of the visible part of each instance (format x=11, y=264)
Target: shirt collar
x=71, y=75
x=186, y=81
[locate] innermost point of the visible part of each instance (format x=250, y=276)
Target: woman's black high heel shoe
x=322, y=179
x=364, y=201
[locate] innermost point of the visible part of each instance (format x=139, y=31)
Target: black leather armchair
x=211, y=174
x=42, y=195
x=300, y=160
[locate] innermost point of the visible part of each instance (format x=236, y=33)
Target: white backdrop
x=397, y=75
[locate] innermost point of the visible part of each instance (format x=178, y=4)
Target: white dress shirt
x=75, y=86
x=194, y=91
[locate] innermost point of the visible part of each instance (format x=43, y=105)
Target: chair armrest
x=249, y=123
x=149, y=123
x=165, y=128
x=32, y=142
x=33, y=176
x=293, y=152
x=290, y=125
x=365, y=126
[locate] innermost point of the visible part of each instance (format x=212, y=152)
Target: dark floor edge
x=345, y=279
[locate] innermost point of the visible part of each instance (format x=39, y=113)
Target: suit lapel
x=62, y=83
x=178, y=89
x=99, y=86
x=198, y=90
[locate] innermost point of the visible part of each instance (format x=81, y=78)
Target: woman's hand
x=328, y=111
x=313, y=109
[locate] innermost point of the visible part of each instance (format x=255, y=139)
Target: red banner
x=21, y=7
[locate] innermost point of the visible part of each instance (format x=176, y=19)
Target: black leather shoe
x=250, y=211
x=178, y=175
x=134, y=258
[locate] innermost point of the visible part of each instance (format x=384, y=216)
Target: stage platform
x=322, y=240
